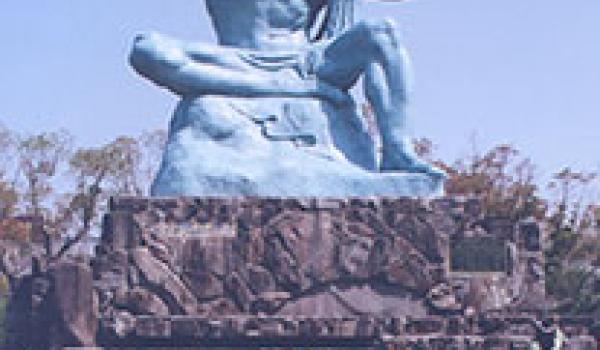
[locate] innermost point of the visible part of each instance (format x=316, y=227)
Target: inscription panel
x=478, y=254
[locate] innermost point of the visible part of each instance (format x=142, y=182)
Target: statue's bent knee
x=268, y=114
x=381, y=34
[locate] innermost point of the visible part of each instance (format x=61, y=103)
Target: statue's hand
x=333, y=94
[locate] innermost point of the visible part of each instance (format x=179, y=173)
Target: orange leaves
x=16, y=229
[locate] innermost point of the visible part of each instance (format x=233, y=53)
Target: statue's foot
x=410, y=163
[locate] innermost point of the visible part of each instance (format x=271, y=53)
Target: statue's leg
x=389, y=106
x=373, y=49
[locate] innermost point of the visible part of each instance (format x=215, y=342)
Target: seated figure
x=267, y=112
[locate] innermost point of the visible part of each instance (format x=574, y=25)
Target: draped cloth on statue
x=225, y=146
x=267, y=112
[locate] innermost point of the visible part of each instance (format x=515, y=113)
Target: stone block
x=118, y=231
x=425, y=325
x=297, y=271
x=166, y=282
x=143, y=302
x=153, y=327
x=76, y=310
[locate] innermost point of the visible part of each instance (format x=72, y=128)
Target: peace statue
x=268, y=112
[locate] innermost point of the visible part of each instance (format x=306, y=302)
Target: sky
x=524, y=72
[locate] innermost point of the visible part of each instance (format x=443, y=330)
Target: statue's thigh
x=345, y=58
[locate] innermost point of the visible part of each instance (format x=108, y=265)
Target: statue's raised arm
x=330, y=18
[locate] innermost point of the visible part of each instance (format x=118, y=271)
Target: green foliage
x=563, y=241
x=576, y=290
x=572, y=256
x=571, y=277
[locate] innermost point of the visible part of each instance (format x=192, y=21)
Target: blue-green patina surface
x=267, y=111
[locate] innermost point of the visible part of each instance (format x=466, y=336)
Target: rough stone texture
x=75, y=302
x=281, y=273
x=54, y=308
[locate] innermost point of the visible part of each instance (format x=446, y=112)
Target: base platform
x=360, y=273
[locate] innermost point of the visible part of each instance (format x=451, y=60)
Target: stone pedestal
x=368, y=273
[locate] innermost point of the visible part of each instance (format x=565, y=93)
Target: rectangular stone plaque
x=478, y=255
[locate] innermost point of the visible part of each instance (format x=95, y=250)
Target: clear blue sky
x=525, y=72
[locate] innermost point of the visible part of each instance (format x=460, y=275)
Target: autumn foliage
x=47, y=182
x=61, y=190
x=504, y=181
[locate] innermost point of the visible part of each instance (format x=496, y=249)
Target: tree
x=9, y=197
x=501, y=178
x=572, y=207
x=504, y=182
x=121, y=167
x=40, y=157
x=573, y=257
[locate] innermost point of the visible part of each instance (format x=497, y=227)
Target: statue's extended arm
x=166, y=62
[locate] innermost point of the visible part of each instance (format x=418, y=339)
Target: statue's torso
x=260, y=24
